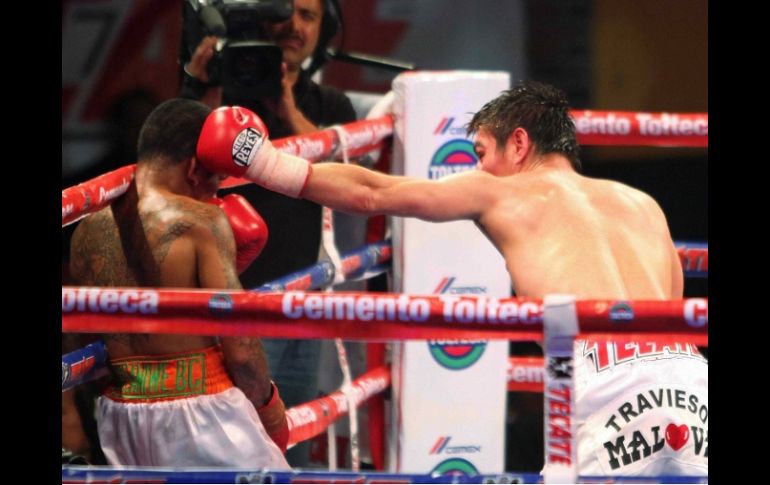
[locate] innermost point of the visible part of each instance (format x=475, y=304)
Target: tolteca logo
x=456, y=354
x=447, y=125
x=454, y=156
x=455, y=466
x=447, y=285
x=442, y=447
x=105, y=300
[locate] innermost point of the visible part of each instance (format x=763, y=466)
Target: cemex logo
x=446, y=285
x=442, y=447
x=447, y=125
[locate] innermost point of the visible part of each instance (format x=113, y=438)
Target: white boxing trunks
x=182, y=410
x=642, y=408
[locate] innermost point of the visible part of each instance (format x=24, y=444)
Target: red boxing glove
x=249, y=229
x=273, y=417
x=233, y=141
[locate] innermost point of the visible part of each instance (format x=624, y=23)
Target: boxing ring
x=290, y=308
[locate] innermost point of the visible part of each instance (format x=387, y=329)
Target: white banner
x=449, y=396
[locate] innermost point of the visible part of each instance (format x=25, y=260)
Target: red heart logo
x=677, y=436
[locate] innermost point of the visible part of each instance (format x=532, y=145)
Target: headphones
x=331, y=23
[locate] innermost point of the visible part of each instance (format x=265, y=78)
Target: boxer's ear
x=518, y=146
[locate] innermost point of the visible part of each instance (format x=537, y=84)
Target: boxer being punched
x=642, y=408
x=180, y=400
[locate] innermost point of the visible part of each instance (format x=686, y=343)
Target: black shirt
x=294, y=225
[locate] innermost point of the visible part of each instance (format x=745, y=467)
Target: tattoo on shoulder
x=223, y=235
x=168, y=236
x=129, y=247
x=214, y=220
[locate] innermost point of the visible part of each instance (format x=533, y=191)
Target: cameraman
x=295, y=225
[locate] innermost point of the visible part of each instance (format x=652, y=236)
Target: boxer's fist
x=273, y=417
x=234, y=142
x=249, y=229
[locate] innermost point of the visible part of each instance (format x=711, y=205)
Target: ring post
x=449, y=396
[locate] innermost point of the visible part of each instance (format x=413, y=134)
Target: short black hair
x=171, y=131
x=542, y=110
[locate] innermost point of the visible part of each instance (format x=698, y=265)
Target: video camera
x=245, y=64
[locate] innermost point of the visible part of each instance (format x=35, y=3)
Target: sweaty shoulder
x=200, y=218
x=189, y=233
x=630, y=194
x=628, y=198
x=214, y=247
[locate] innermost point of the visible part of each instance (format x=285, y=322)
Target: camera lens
x=252, y=70
x=249, y=69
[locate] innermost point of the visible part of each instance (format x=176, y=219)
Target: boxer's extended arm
x=354, y=189
x=234, y=141
x=244, y=356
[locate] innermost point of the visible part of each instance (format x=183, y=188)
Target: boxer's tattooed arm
x=223, y=236
x=244, y=357
x=246, y=364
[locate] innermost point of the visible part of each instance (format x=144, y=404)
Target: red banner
x=641, y=129
x=95, y=194
x=694, y=259
x=526, y=374
x=375, y=316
